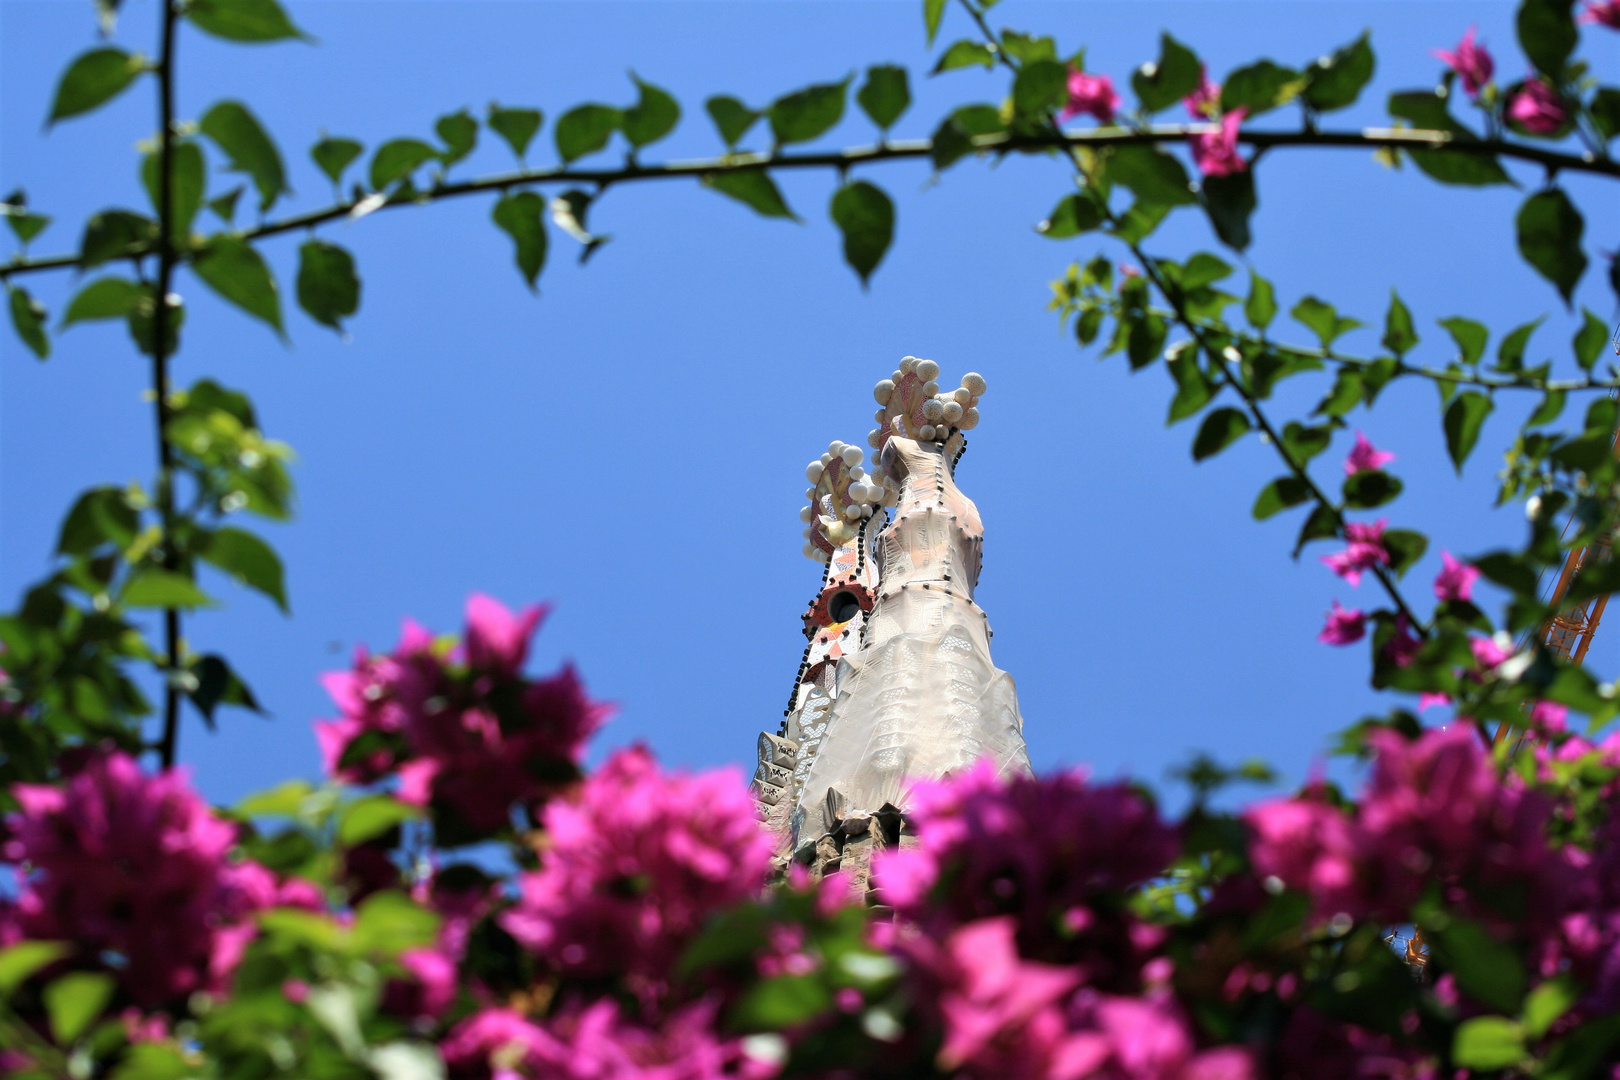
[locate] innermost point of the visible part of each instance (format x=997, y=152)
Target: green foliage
x=188, y=180
x=933, y=14
x=1323, y=320
x=1229, y=201
x=1074, y=215
x=1464, y=418
x=113, y=234
x=865, y=215
x=652, y=117
x=521, y=215
x=1220, y=429
x=1336, y=81
x=28, y=319
x=1370, y=488
x=92, y=80
x=807, y=114
x=1470, y=337
x=1261, y=87
x=250, y=149
x=731, y=118
x=235, y=270
x=1039, y=87
x=1261, y=306
x=885, y=96
x=1153, y=175
x=247, y=21
x=1279, y=495
x=459, y=133
x=24, y=225
x=517, y=126
x=1166, y=81
x=585, y=130
x=333, y=156
x=216, y=684
x=247, y=559
x=397, y=159
x=1399, y=335
x=1547, y=34
x=1550, y=231
x=73, y=1001
x=754, y=188
x=966, y=53
x=328, y=287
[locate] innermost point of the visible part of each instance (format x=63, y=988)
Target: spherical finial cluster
x=841, y=495
x=914, y=407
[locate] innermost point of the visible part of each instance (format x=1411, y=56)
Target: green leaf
x=390, y=922
x=73, y=1001
x=1605, y=111
x=249, y=560
x=1203, y=269
x=224, y=206
x=1194, y=389
x=285, y=800
x=1552, y=404
x=1428, y=110
x=99, y=516
x=236, y=131
x=1153, y=175
x=933, y=13
x=1460, y=167
x=1590, y=339
x=516, y=126
x=236, y=271
x=1220, y=429
x=1144, y=342
x=1370, y=488
x=1261, y=306
x=1229, y=201
x=1176, y=74
x=151, y=1061
x=1027, y=48
x=1279, y=495
x=1260, y=87
x=966, y=53
x=24, y=225
x=521, y=216
x=1336, y=81
x=865, y=215
x=28, y=319
x=242, y=20
x=731, y=117
x=1405, y=548
x=807, y=114
x=753, y=187
x=397, y=159
x=1322, y=319
x=585, y=130
x=459, y=133
x=1464, y=417
x=1303, y=443
x=19, y=961
x=1399, y=334
x=369, y=816
x=1076, y=214
x=114, y=234
x=104, y=298
x=781, y=1002
x=93, y=79
x=335, y=155
x=652, y=117
x=886, y=95
x=1547, y=1002
x=1041, y=87
x=1320, y=524
x=1345, y=395
x=1550, y=239
x=328, y=288
x=217, y=684
x=143, y=329
x=188, y=180
x=1087, y=325
x=1547, y=34
x=152, y=588
x=1470, y=337
x=1510, y=354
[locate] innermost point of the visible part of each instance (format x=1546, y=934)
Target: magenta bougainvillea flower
x=1343, y=626
x=1093, y=94
x=635, y=865
x=1537, y=108
x=1602, y=13
x=1215, y=152
x=1365, y=457
x=1206, y=100
x=1364, y=549
x=1455, y=580
x=1471, y=62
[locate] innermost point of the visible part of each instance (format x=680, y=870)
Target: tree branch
x=167, y=257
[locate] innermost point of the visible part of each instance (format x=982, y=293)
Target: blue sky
x=630, y=445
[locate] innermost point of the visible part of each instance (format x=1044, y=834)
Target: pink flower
x=1365, y=457
x=637, y=863
x=1403, y=646
x=1206, y=100
x=1549, y=717
x=1603, y=12
x=1312, y=847
x=1429, y=700
x=598, y=1043
x=1056, y=853
x=1456, y=580
x=1142, y=1038
x=1215, y=152
x=1537, y=108
x=1471, y=62
x=1092, y=94
x=1000, y=1012
x=1490, y=652
x=1364, y=549
x=123, y=863
x=1343, y=626
x=497, y=640
x=429, y=988
x=496, y=1044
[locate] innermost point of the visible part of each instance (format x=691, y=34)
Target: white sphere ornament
x=810, y=551
x=927, y=433
x=851, y=454
x=874, y=438
x=852, y=512
x=930, y=388
x=813, y=471
x=896, y=375
x=952, y=411
x=927, y=369
x=908, y=364
x=882, y=391
x=881, y=416
x=974, y=382
x=806, y=514
x=933, y=409
x=970, y=420
x=855, y=470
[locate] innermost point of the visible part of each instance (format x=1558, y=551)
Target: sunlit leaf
x=93, y=79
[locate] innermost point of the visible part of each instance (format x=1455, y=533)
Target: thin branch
x=910, y=149
x=167, y=258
